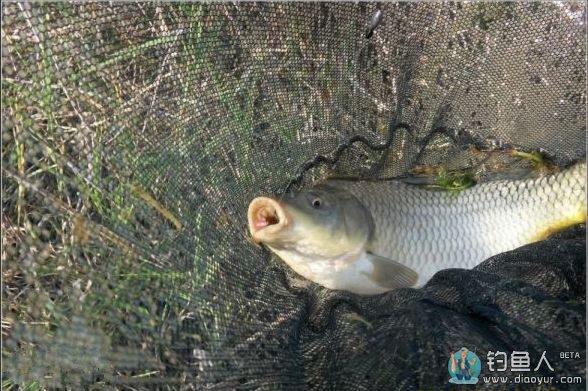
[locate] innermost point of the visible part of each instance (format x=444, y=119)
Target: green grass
x=127, y=54
x=91, y=199
x=54, y=290
x=454, y=182
x=8, y=385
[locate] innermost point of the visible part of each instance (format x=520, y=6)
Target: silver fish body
x=369, y=237
x=430, y=231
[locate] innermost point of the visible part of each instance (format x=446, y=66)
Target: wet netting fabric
x=136, y=134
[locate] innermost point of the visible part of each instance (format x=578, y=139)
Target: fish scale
x=430, y=231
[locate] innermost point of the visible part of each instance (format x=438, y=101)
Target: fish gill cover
x=135, y=135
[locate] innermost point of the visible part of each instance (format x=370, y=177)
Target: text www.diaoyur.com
x=520, y=379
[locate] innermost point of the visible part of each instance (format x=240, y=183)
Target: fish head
x=322, y=222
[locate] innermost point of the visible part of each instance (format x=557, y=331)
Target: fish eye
x=317, y=203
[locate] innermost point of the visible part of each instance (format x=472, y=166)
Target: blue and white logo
x=464, y=367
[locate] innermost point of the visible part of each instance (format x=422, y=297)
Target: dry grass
x=98, y=122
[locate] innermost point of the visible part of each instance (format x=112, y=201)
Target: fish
x=369, y=237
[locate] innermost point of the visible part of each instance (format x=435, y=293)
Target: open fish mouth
x=266, y=217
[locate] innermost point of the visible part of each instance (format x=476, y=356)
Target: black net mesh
x=135, y=135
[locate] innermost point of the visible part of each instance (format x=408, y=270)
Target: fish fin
x=390, y=274
x=409, y=180
x=578, y=217
x=419, y=181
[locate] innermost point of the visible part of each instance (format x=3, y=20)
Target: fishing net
x=135, y=135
